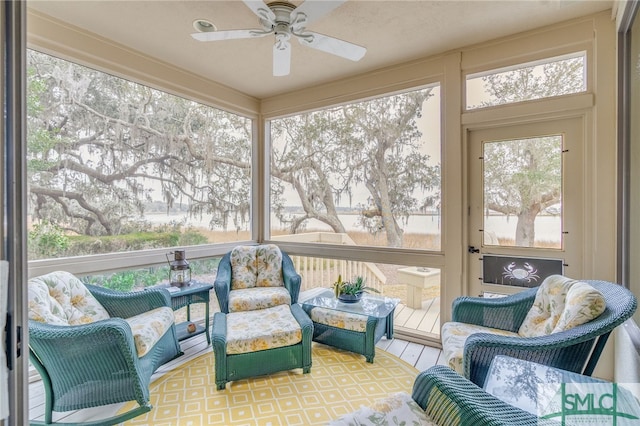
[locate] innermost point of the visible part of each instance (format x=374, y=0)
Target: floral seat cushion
x=148, y=327
x=60, y=298
x=396, y=409
x=454, y=335
x=560, y=304
x=344, y=320
x=250, y=299
x=253, y=331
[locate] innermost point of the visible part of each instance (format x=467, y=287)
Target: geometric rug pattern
x=339, y=382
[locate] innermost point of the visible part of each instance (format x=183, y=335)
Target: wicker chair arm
x=80, y=335
x=504, y=313
x=566, y=350
x=449, y=398
x=222, y=284
x=128, y=304
x=69, y=357
x=292, y=280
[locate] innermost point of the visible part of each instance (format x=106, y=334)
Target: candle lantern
x=179, y=270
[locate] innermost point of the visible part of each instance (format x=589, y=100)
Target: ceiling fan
x=285, y=20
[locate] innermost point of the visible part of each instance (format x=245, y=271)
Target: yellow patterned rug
x=339, y=382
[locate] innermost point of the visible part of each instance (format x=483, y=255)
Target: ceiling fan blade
x=228, y=35
x=281, y=58
x=314, y=9
x=260, y=9
x=332, y=45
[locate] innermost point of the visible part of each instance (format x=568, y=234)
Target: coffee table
x=374, y=314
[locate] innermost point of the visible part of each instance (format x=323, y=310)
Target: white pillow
x=561, y=303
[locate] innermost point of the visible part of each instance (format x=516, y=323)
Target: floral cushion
x=396, y=409
x=454, y=335
x=244, y=267
x=59, y=298
x=269, y=266
x=556, y=298
x=148, y=327
x=254, y=331
x=345, y=320
x=253, y=266
x=583, y=304
x=249, y=299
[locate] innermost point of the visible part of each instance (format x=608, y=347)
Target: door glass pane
x=522, y=186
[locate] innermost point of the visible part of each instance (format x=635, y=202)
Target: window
x=366, y=173
x=115, y=166
x=523, y=192
x=561, y=75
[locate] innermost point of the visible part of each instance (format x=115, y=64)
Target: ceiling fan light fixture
x=285, y=21
x=204, y=26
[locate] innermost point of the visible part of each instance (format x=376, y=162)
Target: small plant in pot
x=351, y=291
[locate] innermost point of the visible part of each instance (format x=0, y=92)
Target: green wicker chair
x=450, y=399
x=225, y=277
x=440, y=397
x=97, y=363
x=577, y=349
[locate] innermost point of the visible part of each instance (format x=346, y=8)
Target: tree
x=524, y=177
x=100, y=147
x=324, y=155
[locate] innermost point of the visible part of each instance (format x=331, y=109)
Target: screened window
x=556, y=76
x=522, y=186
x=115, y=166
x=366, y=173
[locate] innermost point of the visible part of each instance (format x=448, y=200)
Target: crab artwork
x=526, y=272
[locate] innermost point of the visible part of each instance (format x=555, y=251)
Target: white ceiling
x=392, y=31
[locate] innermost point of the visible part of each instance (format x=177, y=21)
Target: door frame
x=573, y=184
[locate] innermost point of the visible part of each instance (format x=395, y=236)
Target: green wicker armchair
x=440, y=397
x=450, y=399
x=498, y=320
x=243, y=285
x=82, y=344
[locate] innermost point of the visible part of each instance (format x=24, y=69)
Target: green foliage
x=47, y=240
x=138, y=279
x=353, y=287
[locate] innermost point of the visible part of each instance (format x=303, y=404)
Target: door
x=525, y=205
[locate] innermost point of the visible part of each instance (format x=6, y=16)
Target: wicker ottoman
x=352, y=332
x=264, y=341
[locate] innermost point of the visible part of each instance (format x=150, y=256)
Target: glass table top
x=370, y=305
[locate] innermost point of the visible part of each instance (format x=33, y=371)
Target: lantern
x=179, y=270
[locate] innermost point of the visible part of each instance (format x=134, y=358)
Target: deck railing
x=323, y=272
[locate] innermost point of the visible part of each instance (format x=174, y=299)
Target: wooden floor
x=425, y=320
x=422, y=357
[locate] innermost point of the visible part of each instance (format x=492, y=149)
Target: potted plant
x=351, y=291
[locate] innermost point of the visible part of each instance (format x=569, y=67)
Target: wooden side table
x=196, y=292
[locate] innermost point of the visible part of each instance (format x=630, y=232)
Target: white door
x=525, y=205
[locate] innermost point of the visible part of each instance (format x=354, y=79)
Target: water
x=548, y=228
